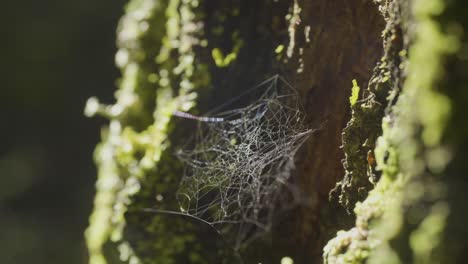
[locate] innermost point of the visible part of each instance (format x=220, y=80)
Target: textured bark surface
x=335, y=42
x=193, y=55
x=412, y=213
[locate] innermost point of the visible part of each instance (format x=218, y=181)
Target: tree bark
x=387, y=168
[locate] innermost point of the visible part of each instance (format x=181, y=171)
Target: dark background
x=55, y=55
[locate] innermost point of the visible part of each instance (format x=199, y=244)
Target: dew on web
x=239, y=162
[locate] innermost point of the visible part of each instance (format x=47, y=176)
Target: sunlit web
x=240, y=160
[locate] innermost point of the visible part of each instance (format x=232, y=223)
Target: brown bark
x=345, y=44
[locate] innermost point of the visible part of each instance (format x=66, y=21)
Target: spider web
x=235, y=170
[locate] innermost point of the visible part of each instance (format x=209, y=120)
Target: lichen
x=416, y=134
x=360, y=135
x=404, y=218
x=294, y=19
x=159, y=76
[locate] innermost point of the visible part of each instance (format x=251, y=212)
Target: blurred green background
x=56, y=54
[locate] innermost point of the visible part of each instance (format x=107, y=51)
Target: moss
x=354, y=93
x=416, y=134
x=150, y=56
x=406, y=215
x=224, y=61
x=360, y=135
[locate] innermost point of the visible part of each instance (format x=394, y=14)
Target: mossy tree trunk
x=386, y=165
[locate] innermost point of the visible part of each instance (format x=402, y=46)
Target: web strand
x=199, y=118
x=238, y=163
x=241, y=160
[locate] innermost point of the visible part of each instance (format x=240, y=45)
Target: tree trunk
x=384, y=163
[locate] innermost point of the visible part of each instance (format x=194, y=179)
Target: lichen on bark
x=132, y=146
x=404, y=218
x=360, y=135
x=172, y=51
x=164, y=56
